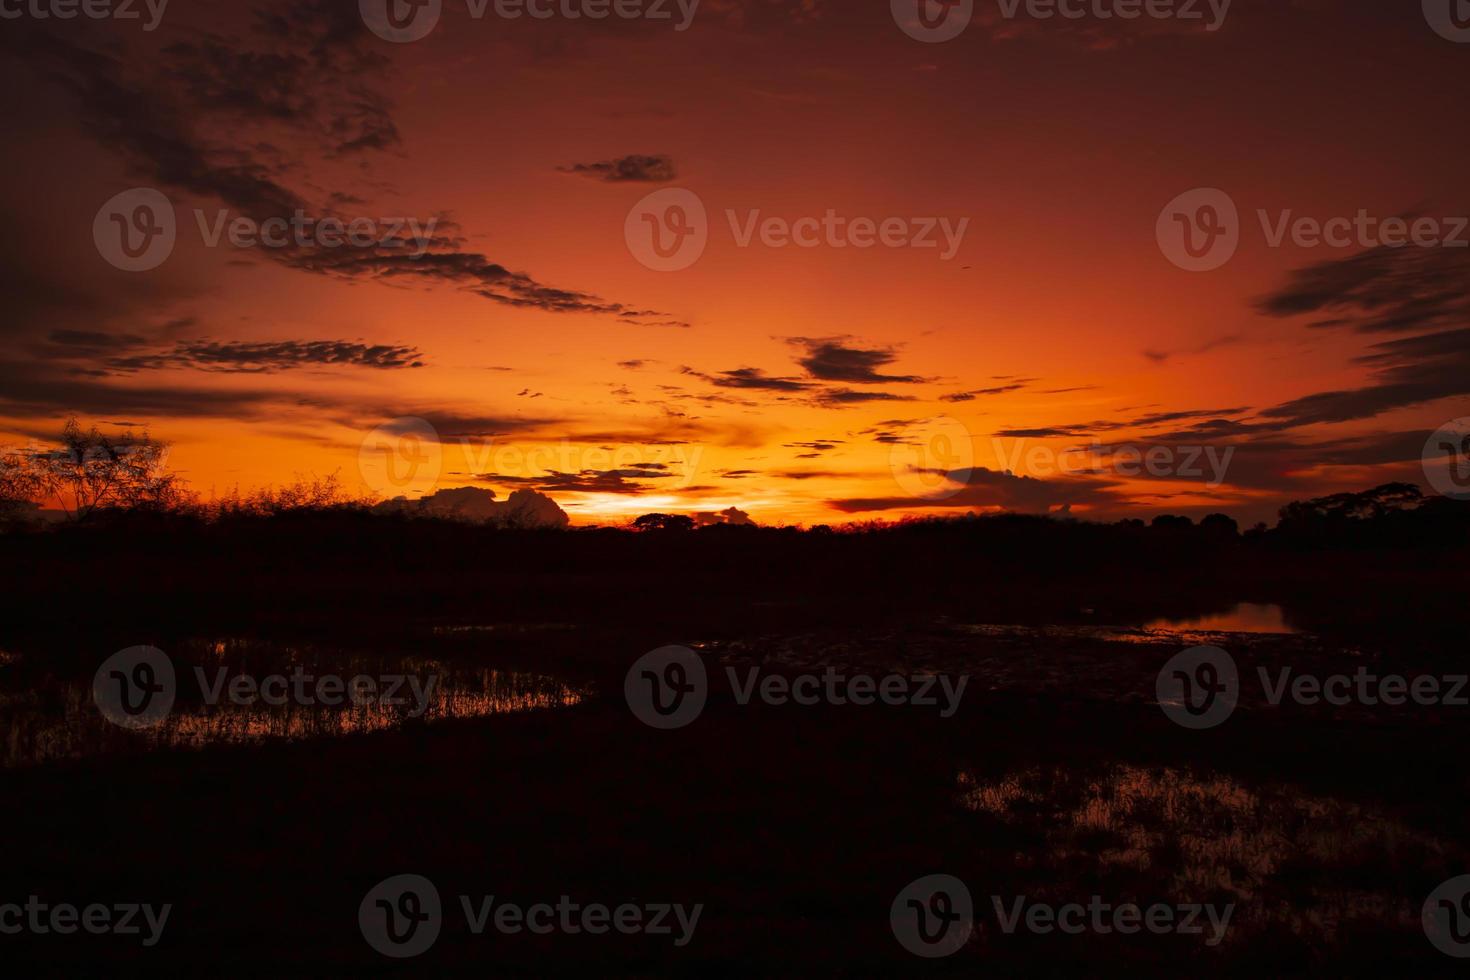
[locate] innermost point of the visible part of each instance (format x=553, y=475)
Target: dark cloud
x=525, y=508
x=154, y=119
x=815, y=448
x=830, y=359
x=635, y=168
x=1164, y=418
x=1147, y=421
x=891, y=431
x=748, y=378
x=969, y=396
x=732, y=516
x=981, y=487
x=1160, y=356
x=29, y=391
x=842, y=397
x=312, y=92
x=1043, y=433
x=811, y=475
x=1382, y=290
x=265, y=358
x=1385, y=290
x=450, y=424
x=626, y=481
x=1409, y=371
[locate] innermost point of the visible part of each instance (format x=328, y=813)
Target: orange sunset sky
x=795, y=384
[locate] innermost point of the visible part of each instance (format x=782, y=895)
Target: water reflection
x=1289, y=859
x=1247, y=617
x=47, y=716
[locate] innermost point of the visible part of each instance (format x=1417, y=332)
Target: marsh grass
x=50, y=716
x=1295, y=863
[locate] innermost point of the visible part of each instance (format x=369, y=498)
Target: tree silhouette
x=664, y=522
x=89, y=472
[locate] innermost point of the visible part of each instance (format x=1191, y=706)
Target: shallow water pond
x=1246, y=617
x=237, y=690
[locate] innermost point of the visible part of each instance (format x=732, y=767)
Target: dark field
x=793, y=826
